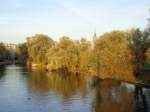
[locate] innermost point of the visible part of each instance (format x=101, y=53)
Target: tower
x=94, y=38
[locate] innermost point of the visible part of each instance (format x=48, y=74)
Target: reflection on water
x=142, y=98
x=65, y=85
x=39, y=91
x=113, y=96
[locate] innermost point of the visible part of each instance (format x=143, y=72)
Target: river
x=38, y=91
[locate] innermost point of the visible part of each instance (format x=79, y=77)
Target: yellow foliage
x=115, y=56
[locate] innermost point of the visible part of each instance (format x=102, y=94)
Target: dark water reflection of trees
x=112, y=96
x=142, y=99
x=66, y=85
x=2, y=70
x=107, y=95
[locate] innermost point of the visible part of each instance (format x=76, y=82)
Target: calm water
x=38, y=91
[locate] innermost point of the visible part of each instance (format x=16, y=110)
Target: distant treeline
x=117, y=52
x=5, y=53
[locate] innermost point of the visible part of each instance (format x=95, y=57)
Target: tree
x=38, y=46
x=3, y=52
x=84, y=54
x=139, y=44
x=112, y=56
x=22, y=53
x=70, y=54
x=62, y=54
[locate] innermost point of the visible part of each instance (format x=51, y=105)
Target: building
x=10, y=46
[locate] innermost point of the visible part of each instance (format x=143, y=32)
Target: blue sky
x=74, y=18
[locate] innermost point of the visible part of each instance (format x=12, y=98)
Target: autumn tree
x=69, y=53
x=112, y=55
x=83, y=54
x=62, y=54
x=38, y=46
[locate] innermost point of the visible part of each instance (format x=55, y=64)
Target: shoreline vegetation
x=117, y=55
x=120, y=55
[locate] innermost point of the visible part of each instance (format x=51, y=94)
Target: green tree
x=22, y=53
x=4, y=53
x=68, y=53
x=62, y=54
x=38, y=46
x=139, y=44
x=84, y=49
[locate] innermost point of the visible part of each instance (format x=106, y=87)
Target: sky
x=74, y=18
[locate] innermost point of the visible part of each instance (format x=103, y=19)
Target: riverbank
x=76, y=71
x=138, y=81
x=5, y=63
x=8, y=62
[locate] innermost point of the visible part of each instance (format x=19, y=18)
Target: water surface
x=38, y=91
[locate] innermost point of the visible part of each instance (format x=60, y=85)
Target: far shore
x=8, y=62
x=35, y=66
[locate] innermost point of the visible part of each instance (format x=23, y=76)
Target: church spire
x=94, y=36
